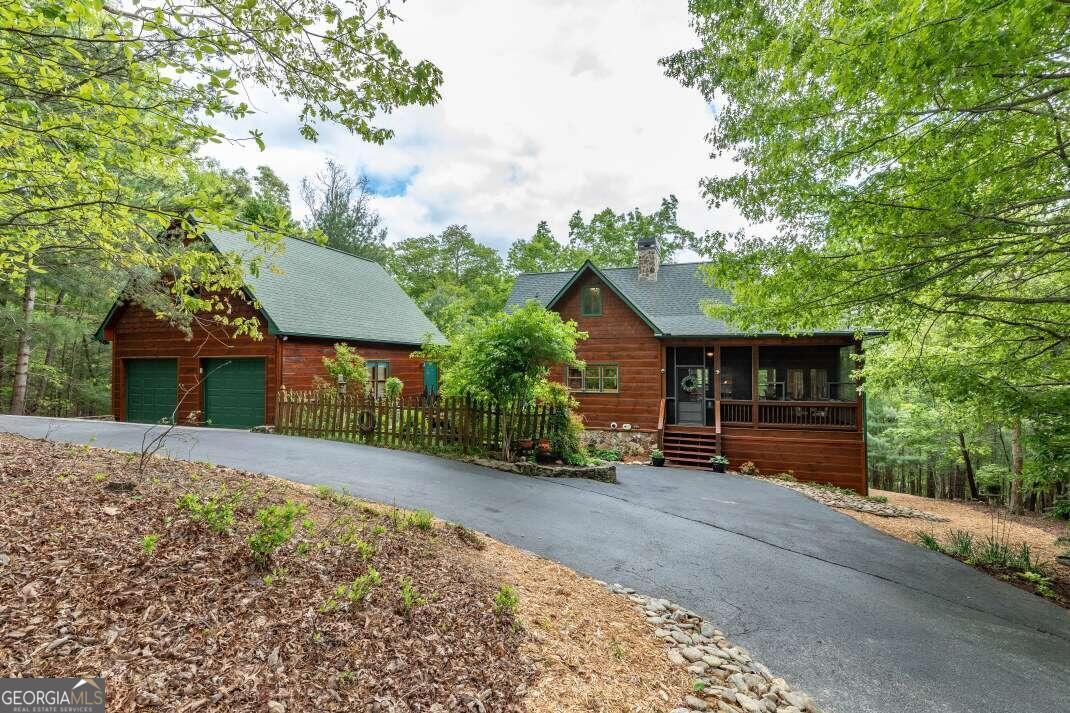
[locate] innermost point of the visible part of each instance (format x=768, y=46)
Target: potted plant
x=525, y=444
x=657, y=458
x=718, y=463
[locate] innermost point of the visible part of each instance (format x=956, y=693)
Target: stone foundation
x=630, y=444
x=606, y=473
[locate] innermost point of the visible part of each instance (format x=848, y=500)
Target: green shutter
x=234, y=392
x=151, y=389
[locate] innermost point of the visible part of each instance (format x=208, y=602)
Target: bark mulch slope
x=196, y=625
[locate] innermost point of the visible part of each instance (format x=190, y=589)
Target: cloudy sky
x=548, y=106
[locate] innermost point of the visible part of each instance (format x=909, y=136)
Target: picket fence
x=413, y=422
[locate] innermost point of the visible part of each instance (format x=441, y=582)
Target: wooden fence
x=414, y=422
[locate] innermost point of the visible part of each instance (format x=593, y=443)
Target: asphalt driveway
x=863, y=622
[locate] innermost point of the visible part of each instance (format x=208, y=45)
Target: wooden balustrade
x=799, y=414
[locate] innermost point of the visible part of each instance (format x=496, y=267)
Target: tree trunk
x=22, y=355
x=969, y=466
x=1015, y=504
x=50, y=353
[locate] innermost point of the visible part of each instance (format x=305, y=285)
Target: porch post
x=858, y=392
x=754, y=384
x=717, y=387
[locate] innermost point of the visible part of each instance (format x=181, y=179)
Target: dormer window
x=591, y=302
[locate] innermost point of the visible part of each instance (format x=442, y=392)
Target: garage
x=151, y=389
x=234, y=392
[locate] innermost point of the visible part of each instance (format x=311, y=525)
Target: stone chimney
x=649, y=259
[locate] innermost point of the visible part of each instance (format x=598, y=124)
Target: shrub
x=393, y=387
x=605, y=454
x=749, y=468
x=656, y=454
x=994, y=552
x=353, y=593
x=1041, y=583
x=564, y=428
x=881, y=499
x=1021, y=557
x=410, y=597
x=422, y=520
x=990, y=477
x=718, y=460
x=960, y=543
x=786, y=477
x=928, y=541
x=506, y=600
x=217, y=511
x=349, y=365
x=276, y=527
x=1060, y=509
x=365, y=549
x=148, y=544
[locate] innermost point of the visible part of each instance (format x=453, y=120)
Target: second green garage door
x=234, y=392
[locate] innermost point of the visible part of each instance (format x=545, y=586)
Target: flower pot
x=717, y=467
x=657, y=462
x=525, y=444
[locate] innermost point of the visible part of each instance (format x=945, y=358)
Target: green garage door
x=234, y=392
x=151, y=389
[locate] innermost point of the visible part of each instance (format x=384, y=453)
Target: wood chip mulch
x=196, y=625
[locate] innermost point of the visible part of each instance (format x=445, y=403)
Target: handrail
x=661, y=424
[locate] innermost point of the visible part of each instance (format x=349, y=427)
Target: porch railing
x=806, y=414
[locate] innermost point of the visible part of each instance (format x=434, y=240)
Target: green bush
x=216, y=511
x=881, y=499
x=276, y=527
x=1060, y=509
x=960, y=543
x=421, y=520
x=506, y=600
x=148, y=544
x=994, y=552
x=605, y=454
x=410, y=597
x=928, y=541
x=349, y=365
x=393, y=387
x=564, y=428
x=991, y=477
x=355, y=592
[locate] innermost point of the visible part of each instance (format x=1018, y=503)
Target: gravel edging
x=850, y=501
x=726, y=678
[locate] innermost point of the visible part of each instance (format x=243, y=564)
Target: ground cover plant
x=209, y=587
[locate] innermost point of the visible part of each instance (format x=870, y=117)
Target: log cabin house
x=658, y=368
x=314, y=298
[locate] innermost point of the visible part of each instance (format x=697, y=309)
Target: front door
x=690, y=395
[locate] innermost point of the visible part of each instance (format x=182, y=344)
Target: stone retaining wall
x=606, y=473
x=630, y=444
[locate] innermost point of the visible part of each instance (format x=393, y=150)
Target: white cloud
x=548, y=107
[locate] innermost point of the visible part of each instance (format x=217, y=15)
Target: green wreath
x=690, y=384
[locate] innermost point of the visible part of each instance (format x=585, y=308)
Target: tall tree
x=340, y=210
x=452, y=276
x=104, y=106
x=540, y=253
x=608, y=239
x=912, y=159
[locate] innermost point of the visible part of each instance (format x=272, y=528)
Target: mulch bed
x=196, y=625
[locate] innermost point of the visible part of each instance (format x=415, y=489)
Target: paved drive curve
x=863, y=622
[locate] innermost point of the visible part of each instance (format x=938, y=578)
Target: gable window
x=596, y=378
x=378, y=373
x=591, y=302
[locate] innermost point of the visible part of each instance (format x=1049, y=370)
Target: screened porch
x=755, y=385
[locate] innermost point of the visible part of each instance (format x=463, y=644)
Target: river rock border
x=838, y=498
x=604, y=472
x=725, y=678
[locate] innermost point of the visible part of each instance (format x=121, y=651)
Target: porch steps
x=689, y=446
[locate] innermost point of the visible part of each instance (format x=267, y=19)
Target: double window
x=591, y=302
x=378, y=373
x=596, y=378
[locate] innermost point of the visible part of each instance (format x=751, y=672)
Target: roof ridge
x=605, y=269
x=306, y=241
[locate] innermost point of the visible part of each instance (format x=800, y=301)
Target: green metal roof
x=670, y=305
x=319, y=292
